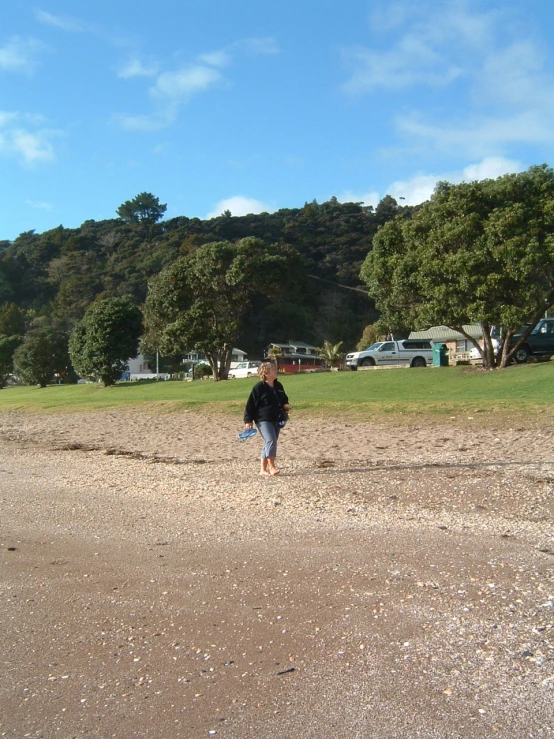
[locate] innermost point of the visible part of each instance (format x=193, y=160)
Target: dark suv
x=539, y=341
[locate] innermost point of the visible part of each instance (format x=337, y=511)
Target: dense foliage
x=144, y=208
x=8, y=345
x=105, y=338
x=478, y=252
x=42, y=355
x=201, y=300
x=59, y=273
x=481, y=252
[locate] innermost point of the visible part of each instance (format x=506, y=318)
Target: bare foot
x=274, y=471
x=265, y=473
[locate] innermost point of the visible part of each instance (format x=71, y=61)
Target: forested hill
x=60, y=272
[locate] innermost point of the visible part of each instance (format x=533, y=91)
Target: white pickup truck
x=413, y=352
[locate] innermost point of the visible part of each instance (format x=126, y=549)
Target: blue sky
x=256, y=105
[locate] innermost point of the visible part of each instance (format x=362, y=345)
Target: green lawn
x=439, y=391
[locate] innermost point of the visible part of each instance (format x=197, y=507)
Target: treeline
x=56, y=275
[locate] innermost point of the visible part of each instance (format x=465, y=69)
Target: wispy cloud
x=238, y=205
x=39, y=204
x=514, y=76
x=216, y=58
x=20, y=55
x=174, y=88
x=183, y=83
x=134, y=67
x=479, y=136
x=62, y=22
x=148, y=122
x=16, y=140
x=420, y=188
x=411, y=62
x=367, y=198
x=430, y=46
x=503, y=93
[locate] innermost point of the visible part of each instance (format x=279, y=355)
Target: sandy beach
x=394, y=580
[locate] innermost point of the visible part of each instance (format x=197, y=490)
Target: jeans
x=270, y=434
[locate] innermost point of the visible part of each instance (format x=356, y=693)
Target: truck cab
x=539, y=342
x=411, y=352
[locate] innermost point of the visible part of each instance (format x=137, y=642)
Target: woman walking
x=265, y=407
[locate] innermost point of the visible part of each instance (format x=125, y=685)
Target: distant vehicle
x=474, y=353
x=539, y=342
x=245, y=369
x=413, y=352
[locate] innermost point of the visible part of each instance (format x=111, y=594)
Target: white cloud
x=491, y=168
x=149, y=122
x=420, y=188
x=171, y=90
x=58, y=21
x=216, y=58
x=6, y=117
x=135, y=68
x=31, y=147
x=514, y=76
x=39, y=204
x=414, y=191
x=185, y=82
x=413, y=62
x=239, y=206
x=480, y=136
x=204, y=74
x=430, y=46
x=504, y=92
x=19, y=55
x=367, y=198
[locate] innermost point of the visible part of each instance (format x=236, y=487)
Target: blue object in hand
x=247, y=434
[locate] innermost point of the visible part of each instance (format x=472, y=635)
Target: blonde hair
x=264, y=369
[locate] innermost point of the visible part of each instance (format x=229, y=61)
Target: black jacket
x=265, y=402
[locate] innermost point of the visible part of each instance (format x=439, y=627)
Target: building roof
x=292, y=344
x=445, y=333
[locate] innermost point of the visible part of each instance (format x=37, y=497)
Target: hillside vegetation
x=60, y=272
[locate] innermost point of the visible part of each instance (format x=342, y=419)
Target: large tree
x=480, y=252
x=105, y=339
x=42, y=355
x=200, y=302
x=144, y=208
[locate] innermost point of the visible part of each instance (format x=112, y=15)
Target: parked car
x=540, y=340
x=474, y=353
x=413, y=352
x=245, y=369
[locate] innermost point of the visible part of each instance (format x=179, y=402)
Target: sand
x=395, y=580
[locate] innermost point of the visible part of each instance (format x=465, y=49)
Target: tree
x=8, y=345
x=331, y=353
x=373, y=332
x=200, y=302
x=480, y=252
x=105, y=338
x=42, y=355
x=12, y=320
x=144, y=208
